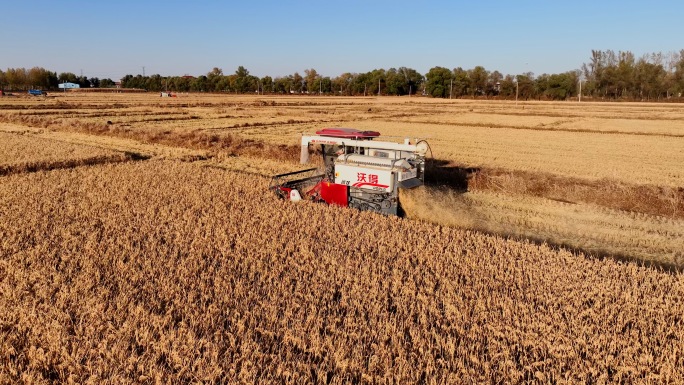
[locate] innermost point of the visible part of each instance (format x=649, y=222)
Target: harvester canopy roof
x=348, y=133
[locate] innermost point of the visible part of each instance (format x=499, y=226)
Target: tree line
x=394, y=81
x=22, y=79
x=617, y=75
x=608, y=75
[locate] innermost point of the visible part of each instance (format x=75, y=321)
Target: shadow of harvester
x=442, y=173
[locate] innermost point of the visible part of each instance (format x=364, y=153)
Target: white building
x=69, y=85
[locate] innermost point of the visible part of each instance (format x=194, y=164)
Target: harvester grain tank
x=358, y=171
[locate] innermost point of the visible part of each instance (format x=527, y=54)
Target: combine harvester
x=359, y=172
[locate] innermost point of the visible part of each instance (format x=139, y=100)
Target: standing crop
x=171, y=272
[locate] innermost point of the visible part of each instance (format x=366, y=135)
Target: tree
x=525, y=86
x=36, y=77
x=311, y=78
x=16, y=78
x=320, y=85
x=376, y=82
x=438, y=82
x=222, y=85
x=624, y=74
x=360, y=84
x=297, y=83
x=649, y=78
x=678, y=75
x=253, y=84
x=213, y=78
x=154, y=83
x=267, y=84
x=557, y=86
x=508, y=87
x=478, y=80
x=593, y=71
x=199, y=84
x=326, y=85
x=181, y=83
x=39, y=77
x=130, y=81
x=401, y=81
x=461, y=85
x=494, y=83
x=343, y=84
x=241, y=82
x=125, y=81
x=83, y=81
x=395, y=83
x=69, y=77
x=107, y=83
x=282, y=85
x=412, y=78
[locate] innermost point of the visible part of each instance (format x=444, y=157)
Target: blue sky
x=114, y=38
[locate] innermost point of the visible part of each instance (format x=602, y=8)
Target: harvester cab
x=358, y=171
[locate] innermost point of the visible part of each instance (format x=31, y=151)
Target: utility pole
x=516, y=90
x=580, y=93
x=378, y=87
x=143, y=71
x=451, y=88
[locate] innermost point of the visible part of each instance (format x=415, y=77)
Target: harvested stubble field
x=183, y=268
x=172, y=272
x=20, y=153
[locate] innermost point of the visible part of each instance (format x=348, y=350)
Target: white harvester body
x=359, y=171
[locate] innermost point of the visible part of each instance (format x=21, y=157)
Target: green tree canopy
x=607, y=75
x=438, y=82
x=461, y=85
x=478, y=80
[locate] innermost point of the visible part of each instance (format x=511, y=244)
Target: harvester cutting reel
x=312, y=185
x=297, y=185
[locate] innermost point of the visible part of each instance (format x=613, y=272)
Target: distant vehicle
x=35, y=92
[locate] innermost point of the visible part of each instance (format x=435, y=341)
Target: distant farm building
x=69, y=85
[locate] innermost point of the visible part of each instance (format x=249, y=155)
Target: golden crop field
x=619, y=160
x=117, y=278
x=142, y=244
x=20, y=153
x=631, y=143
